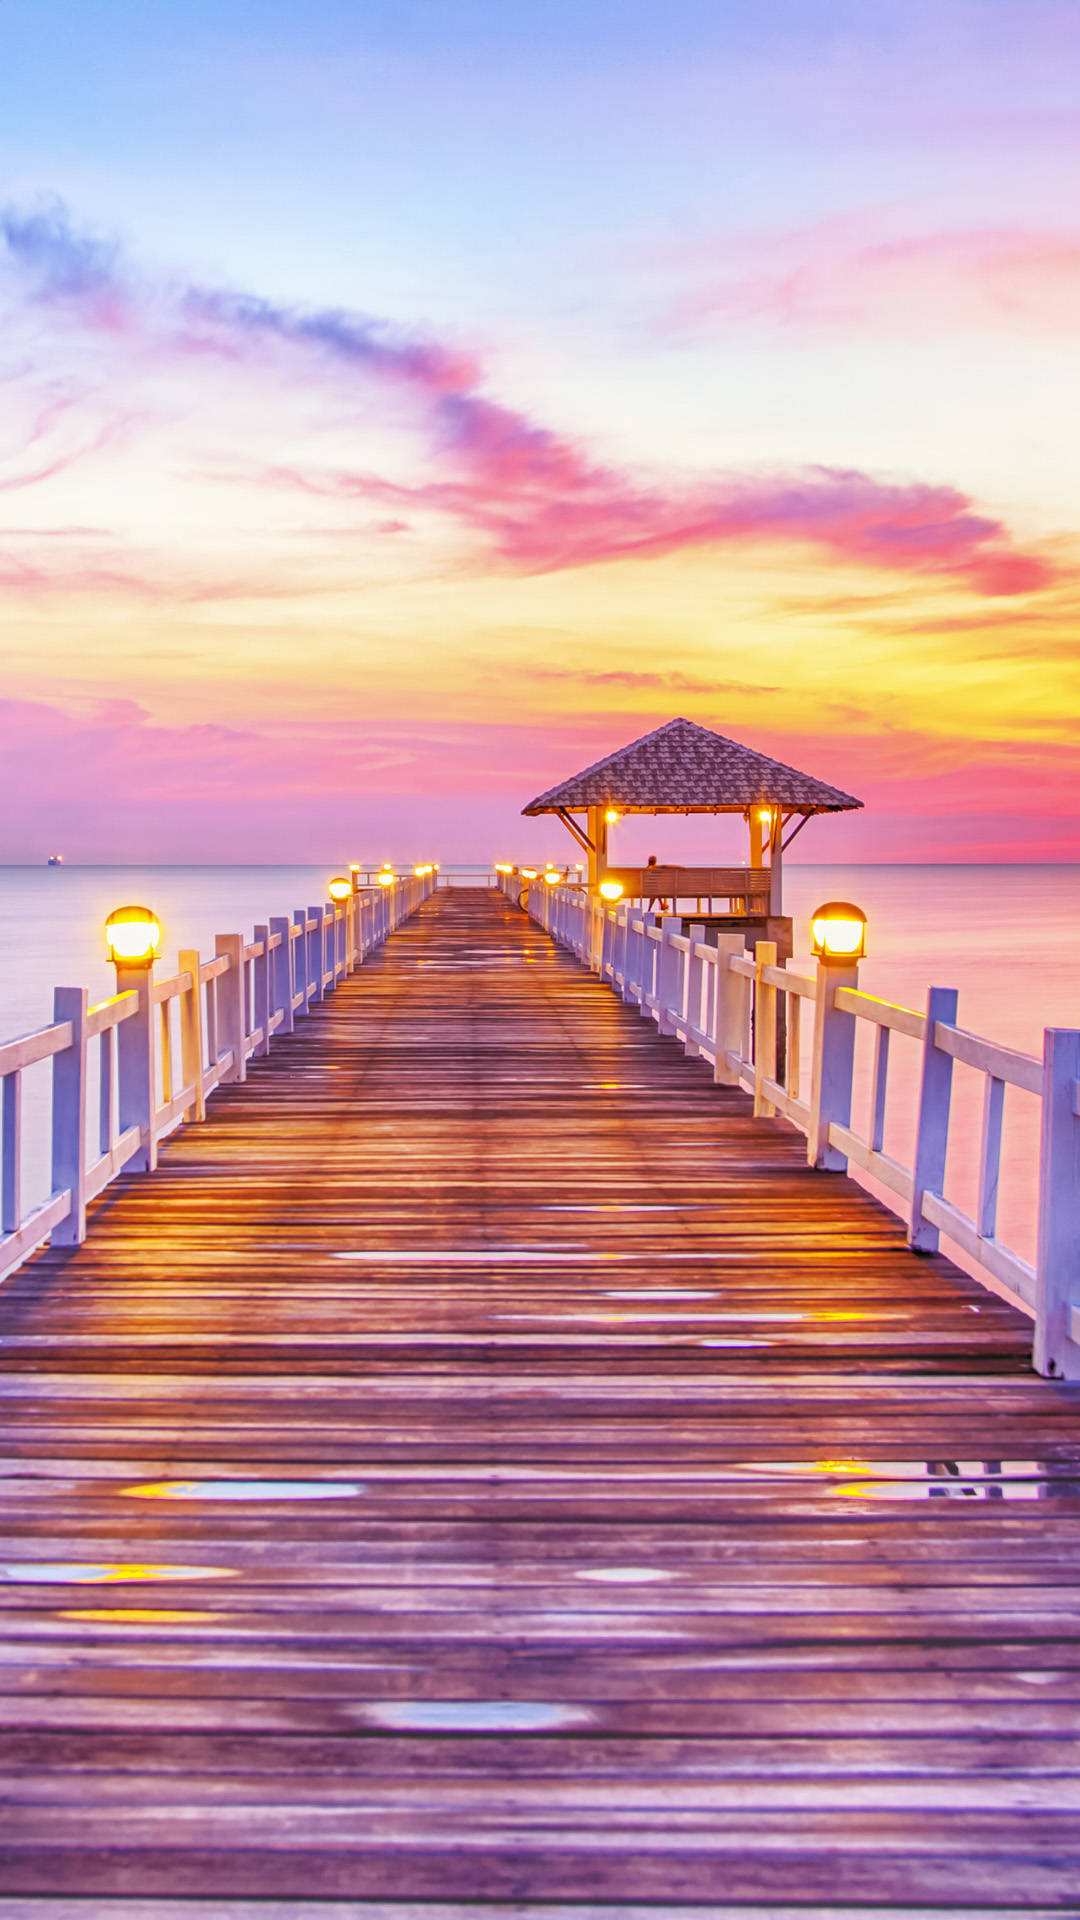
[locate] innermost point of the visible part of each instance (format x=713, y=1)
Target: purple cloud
x=536, y=499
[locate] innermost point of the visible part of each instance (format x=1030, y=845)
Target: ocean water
x=1008, y=937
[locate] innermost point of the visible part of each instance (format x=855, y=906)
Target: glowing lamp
x=131, y=937
x=838, y=932
x=502, y=867
x=339, y=888
x=528, y=873
x=765, y=816
x=553, y=879
x=386, y=879
x=611, y=889
x=611, y=816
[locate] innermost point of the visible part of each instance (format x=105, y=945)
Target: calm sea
x=1007, y=937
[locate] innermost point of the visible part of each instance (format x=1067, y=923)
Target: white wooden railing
x=721, y=1002
x=228, y=1009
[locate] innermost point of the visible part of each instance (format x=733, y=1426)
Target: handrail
x=735, y=1008
x=230, y=1008
x=1003, y=1063
x=29, y=1048
x=882, y=1012
x=168, y=989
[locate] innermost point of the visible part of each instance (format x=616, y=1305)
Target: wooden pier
x=485, y=1472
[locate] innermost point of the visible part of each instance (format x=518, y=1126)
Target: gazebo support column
x=776, y=863
x=597, y=831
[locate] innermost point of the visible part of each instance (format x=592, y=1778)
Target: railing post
x=1057, y=1262
x=136, y=1067
x=281, y=975
x=231, y=1023
x=607, y=942
x=729, y=999
x=69, y=1116
x=932, y=1137
x=301, y=967
x=191, y=1033
x=621, y=949
x=260, y=982
x=11, y=1149
x=631, y=945
x=834, y=1066
x=691, y=989
x=668, y=975
x=650, y=966
x=629, y=956
x=316, y=949
x=764, y=1027
x=328, y=917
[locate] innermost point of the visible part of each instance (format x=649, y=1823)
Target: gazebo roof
x=684, y=768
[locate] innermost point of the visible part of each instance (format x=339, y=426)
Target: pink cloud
x=846, y=275
x=556, y=511
x=535, y=498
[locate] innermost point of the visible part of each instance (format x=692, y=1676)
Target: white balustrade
x=721, y=1002
x=230, y=1008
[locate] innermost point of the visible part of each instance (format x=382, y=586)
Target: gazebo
x=684, y=768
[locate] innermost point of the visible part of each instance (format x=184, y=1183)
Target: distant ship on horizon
x=55, y=860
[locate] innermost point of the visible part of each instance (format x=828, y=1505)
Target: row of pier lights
x=837, y=929
x=133, y=934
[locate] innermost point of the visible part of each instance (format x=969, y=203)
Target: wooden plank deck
x=484, y=1472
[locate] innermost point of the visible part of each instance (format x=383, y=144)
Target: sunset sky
x=406, y=402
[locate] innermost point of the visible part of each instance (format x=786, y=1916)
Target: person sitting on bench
x=661, y=905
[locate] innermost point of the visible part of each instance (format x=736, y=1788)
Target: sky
x=405, y=402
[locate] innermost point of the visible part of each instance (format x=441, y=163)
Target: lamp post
x=132, y=938
x=340, y=891
x=838, y=942
x=838, y=933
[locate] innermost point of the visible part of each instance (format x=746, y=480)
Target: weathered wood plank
x=486, y=1470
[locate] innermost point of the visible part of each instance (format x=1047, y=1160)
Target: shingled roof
x=684, y=768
